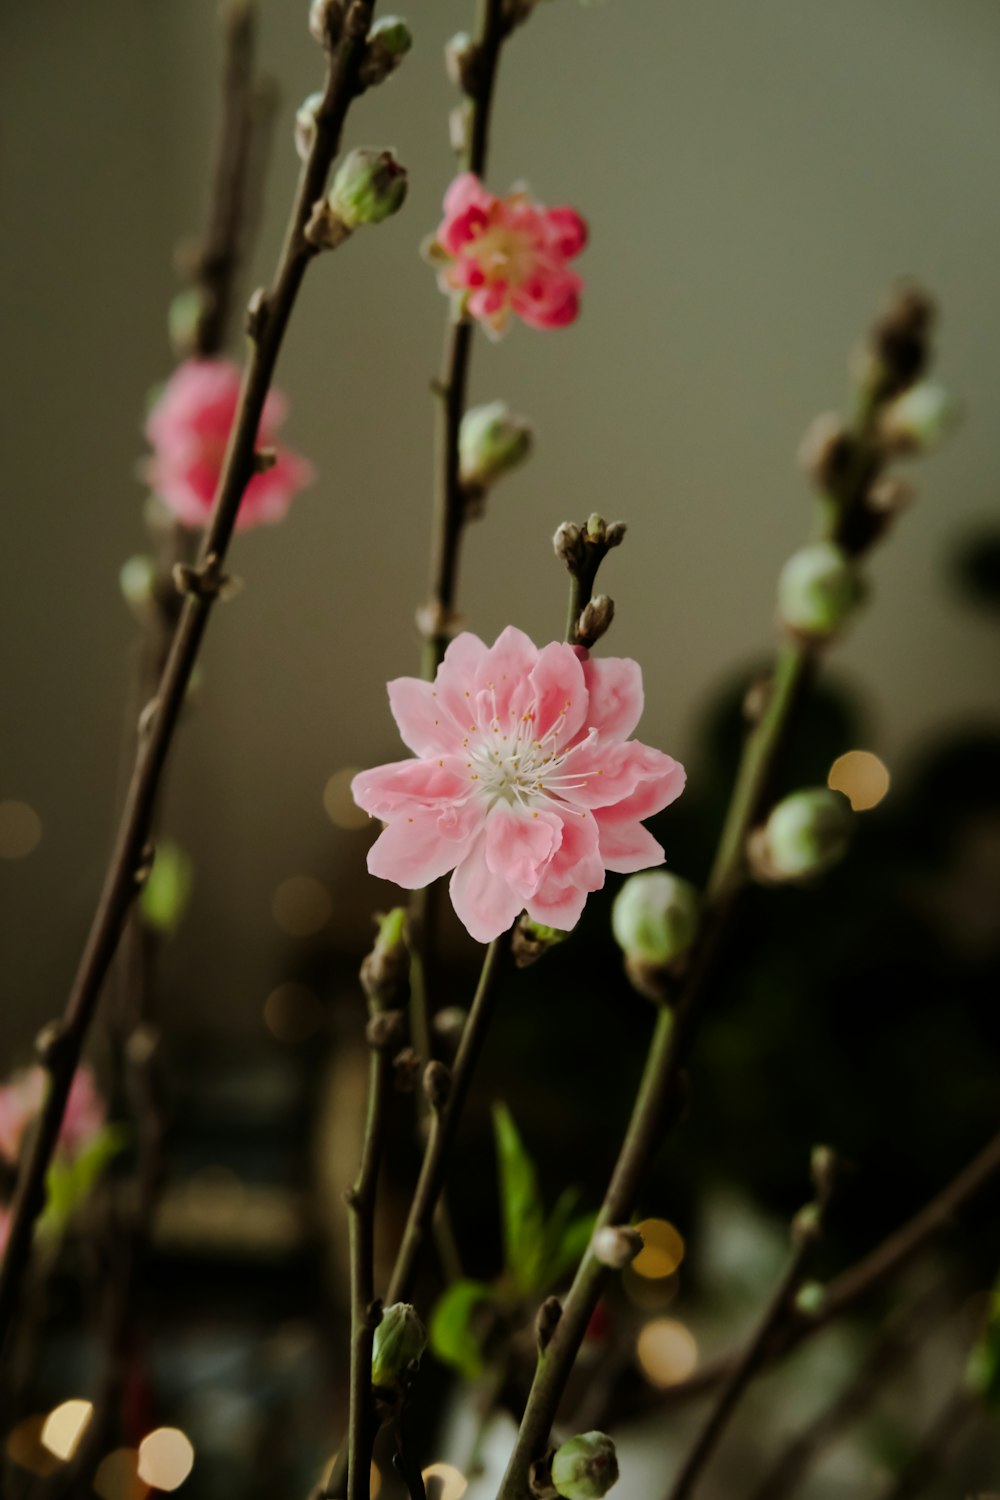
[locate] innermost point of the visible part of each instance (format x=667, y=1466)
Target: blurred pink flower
x=508, y=255
x=525, y=784
x=188, y=429
x=22, y=1098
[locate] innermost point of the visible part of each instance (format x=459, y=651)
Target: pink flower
x=525, y=784
x=188, y=429
x=22, y=1098
x=508, y=255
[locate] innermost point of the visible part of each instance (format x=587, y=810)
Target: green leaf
x=521, y=1208
x=452, y=1335
x=982, y=1374
x=70, y=1180
x=167, y=891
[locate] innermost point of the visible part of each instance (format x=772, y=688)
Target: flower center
x=520, y=769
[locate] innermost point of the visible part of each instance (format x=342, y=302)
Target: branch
x=61, y=1045
x=806, y=1228
x=897, y=352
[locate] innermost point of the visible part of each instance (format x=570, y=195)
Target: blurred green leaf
x=452, y=1335
x=167, y=891
x=982, y=1373
x=522, y=1214
x=71, y=1180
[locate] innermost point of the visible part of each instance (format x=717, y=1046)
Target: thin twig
x=900, y=1342
x=751, y=1360
x=660, y=1089
x=63, y=1043
x=365, y=1311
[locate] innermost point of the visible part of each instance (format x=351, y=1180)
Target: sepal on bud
x=400, y=1339
x=818, y=590
x=585, y=1467
x=805, y=834
x=532, y=939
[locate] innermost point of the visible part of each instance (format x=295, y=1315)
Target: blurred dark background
x=754, y=181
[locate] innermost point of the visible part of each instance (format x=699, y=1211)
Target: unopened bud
x=137, y=581
x=385, y=1030
x=406, y=1070
x=595, y=620
x=807, y=1225
x=305, y=124
x=826, y=451
x=823, y=1167
x=809, y=1298
x=547, y=1321
x=400, y=1340
x=449, y=1024
x=461, y=59
x=568, y=545
x=899, y=344
x=326, y=19
x=918, y=420
x=616, y=1245
x=437, y=1084
x=385, y=968
x=586, y=1467
x=167, y=890
x=655, y=917
x=818, y=589
x=184, y=319
x=460, y=127
x=532, y=939
x=805, y=834
x=368, y=187
x=389, y=40
x=614, y=533
x=889, y=496
x=491, y=441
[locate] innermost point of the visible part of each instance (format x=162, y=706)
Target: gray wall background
x=755, y=176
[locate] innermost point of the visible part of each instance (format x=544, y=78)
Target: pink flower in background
x=508, y=255
x=22, y=1098
x=525, y=784
x=188, y=429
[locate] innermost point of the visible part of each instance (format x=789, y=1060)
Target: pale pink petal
x=425, y=725
x=616, y=698
x=626, y=846
x=405, y=787
x=519, y=842
x=418, y=849
x=505, y=668
x=483, y=901
x=558, y=693
x=573, y=872
x=653, y=792
x=465, y=192
x=606, y=774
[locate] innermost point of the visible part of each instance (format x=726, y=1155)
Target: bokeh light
x=301, y=905
x=65, y=1426
x=666, y=1351
x=166, y=1458
x=861, y=776
x=452, y=1483
x=24, y=1447
x=341, y=808
x=662, y=1249
x=20, y=829
x=292, y=1013
x=117, y=1477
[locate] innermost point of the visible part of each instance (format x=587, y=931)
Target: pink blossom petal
x=653, y=791
x=420, y=848
x=465, y=192
x=608, y=774
x=574, y=871
x=558, y=693
x=568, y=231
x=626, y=846
x=550, y=303
x=483, y=901
x=518, y=843
x=616, y=698
x=426, y=726
x=406, y=787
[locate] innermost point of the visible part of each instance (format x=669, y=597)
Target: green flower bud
x=491, y=441
x=400, y=1340
x=805, y=834
x=655, y=917
x=818, y=589
x=919, y=419
x=305, y=124
x=384, y=969
x=586, y=1467
x=137, y=581
x=388, y=43
x=531, y=940
x=368, y=186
